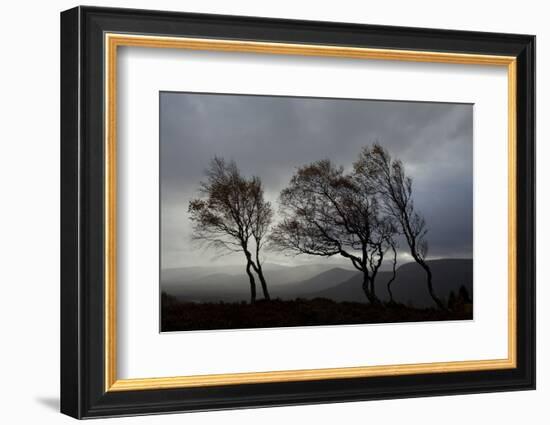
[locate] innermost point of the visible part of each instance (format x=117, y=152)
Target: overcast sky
x=269, y=136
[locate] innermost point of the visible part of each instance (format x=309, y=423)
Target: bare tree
x=388, y=176
x=233, y=216
x=393, y=246
x=325, y=213
x=263, y=216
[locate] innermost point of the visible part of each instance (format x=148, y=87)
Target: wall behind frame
x=29, y=229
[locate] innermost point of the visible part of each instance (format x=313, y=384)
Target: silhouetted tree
x=325, y=213
x=451, y=302
x=393, y=246
x=458, y=302
x=388, y=177
x=262, y=217
x=233, y=216
x=464, y=295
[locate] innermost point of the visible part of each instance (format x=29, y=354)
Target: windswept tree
x=326, y=212
x=233, y=216
x=261, y=222
x=393, y=247
x=388, y=176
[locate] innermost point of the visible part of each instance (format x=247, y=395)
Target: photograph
x=279, y=211
x=284, y=210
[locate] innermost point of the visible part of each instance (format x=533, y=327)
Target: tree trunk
x=373, y=290
x=390, y=291
x=260, y=273
x=367, y=289
x=252, y=282
x=429, y=283
x=393, y=275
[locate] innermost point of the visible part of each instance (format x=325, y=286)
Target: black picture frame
x=83, y=392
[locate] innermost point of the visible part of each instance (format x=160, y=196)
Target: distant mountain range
x=230, y=284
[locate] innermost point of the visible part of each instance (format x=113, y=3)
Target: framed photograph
x=261, y=212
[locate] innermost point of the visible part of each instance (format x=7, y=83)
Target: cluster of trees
x=325, y=211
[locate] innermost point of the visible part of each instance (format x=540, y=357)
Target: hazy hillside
x=231, y=283
x=200, y=284
x=322, y=281
x=409, y=286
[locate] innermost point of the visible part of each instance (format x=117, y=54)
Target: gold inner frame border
x=111, y=43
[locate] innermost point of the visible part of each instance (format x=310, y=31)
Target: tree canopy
x=326, y=212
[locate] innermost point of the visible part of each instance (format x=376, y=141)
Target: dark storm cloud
x=270, y=136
